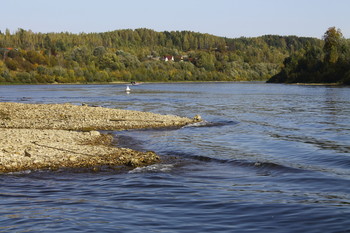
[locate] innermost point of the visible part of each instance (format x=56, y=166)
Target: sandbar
x=54, y=136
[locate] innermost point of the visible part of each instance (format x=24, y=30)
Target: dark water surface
x=272, y=158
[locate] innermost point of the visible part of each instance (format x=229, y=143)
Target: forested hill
x=142, y=55
x=314, y=64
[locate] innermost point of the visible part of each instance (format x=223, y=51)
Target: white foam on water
x=197, y=124
x=20, y=172
x=153, y=168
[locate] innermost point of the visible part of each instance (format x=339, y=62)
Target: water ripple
x=269, y=158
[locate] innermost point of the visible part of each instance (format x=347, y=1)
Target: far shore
x=177, y=82
x=317, y=84
x=53, y=136
x=129, y=83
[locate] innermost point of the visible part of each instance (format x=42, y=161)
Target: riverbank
x=52, y=136
x=318, y=84
x=130, y=84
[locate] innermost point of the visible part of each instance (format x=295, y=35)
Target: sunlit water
x=271, y=158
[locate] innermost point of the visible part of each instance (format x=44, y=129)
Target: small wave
x=197, y=124
x=153, y=168
x=20, y=172
x=25, y=99
x=321, y=143
x=247, y=163
x=262, y=166
x=210, y=124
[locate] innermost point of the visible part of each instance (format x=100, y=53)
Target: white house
x=168, y=58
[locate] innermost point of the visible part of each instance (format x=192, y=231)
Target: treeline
x=315, y=64
x=140, y=55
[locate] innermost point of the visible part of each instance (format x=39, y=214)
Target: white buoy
x=127, y=89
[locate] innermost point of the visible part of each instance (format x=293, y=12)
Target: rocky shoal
x=53, y=136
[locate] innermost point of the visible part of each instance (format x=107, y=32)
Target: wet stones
x=197, y=118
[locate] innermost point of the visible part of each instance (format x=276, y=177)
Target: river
x=269, y=158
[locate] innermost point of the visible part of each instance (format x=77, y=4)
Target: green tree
x=110, y=61
x=206, y=61
x=99, y=51
x=332, y=46
x=129, y=60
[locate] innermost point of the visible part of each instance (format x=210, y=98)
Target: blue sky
x=229, y=18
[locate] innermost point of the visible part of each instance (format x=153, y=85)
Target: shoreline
x=317, y=84
x=128, y=83
x=172, y=82
x=53, y=136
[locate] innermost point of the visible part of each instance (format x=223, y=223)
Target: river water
x=270, y=158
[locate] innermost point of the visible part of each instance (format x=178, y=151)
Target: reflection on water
x=268, y=158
